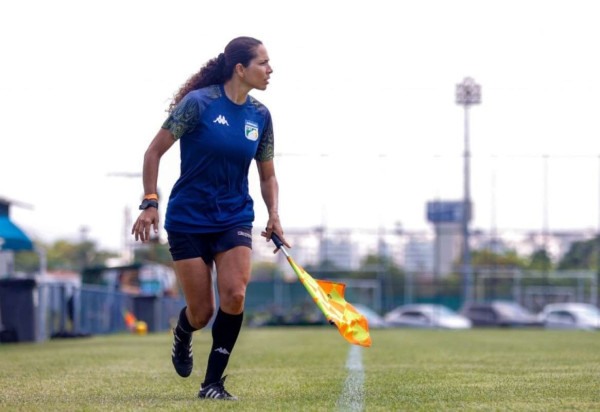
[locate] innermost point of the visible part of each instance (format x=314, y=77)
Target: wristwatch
x=146, y=203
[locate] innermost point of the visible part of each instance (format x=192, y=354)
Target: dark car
x=499, y=313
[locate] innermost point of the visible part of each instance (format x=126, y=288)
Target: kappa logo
x=222, y=350
x=248, y=235
x=251, y=131
x=221, y=120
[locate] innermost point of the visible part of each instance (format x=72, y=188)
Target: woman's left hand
x=274, y=226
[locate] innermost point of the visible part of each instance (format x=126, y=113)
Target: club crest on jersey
x=251, y=131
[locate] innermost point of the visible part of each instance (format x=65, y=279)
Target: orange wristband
x=151, y=196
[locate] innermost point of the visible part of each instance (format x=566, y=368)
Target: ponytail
x=219, y=69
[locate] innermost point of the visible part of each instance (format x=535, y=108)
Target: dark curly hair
x=219, y=69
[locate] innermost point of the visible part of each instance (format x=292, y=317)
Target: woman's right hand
x=146, y=221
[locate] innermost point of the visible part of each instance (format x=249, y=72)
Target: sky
x=362, y=97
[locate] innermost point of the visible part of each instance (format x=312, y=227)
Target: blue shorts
x=207, y=245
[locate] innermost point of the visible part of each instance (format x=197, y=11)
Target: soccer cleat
x=216, y=391
x=182, y=356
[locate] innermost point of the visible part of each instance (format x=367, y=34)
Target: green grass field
x=305, y=369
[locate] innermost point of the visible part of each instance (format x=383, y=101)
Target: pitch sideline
x=352, y=396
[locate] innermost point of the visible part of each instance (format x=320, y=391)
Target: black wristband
x=146, y=203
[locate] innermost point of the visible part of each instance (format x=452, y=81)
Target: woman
x=220, y=129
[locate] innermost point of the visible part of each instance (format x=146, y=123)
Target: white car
x=373, y=318
x=428, y=316
x=570, y=315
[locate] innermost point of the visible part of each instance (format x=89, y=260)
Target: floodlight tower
x=468, y=93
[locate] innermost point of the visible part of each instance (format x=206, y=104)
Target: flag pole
x=329, y=298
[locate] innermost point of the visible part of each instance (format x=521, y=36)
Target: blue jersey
x=218, y=140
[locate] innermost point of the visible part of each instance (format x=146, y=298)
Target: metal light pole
x=127, y=253
x=467, y=93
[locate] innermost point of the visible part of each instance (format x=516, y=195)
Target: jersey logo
x=251, y=131
x=221, y=120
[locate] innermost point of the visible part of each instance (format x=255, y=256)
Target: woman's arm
x=269, y=189
x=149, y=218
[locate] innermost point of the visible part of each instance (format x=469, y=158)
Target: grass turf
x=304, y=369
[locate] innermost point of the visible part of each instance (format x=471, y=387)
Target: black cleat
x=216, y=391
x=181, y=355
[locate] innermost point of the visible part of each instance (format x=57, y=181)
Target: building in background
x=447, y=218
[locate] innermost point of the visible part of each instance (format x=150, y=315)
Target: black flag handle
x=279, y=244
x=276, y=240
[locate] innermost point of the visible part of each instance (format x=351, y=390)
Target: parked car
x=426, y=315
x=570, y=315
x=500, y=313
x=374, y=319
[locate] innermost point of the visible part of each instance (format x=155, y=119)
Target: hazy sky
x=362, y=96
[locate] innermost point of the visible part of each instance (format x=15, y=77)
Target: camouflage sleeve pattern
x=266, y=147
x=184, y=118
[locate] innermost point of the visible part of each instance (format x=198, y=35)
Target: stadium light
x=468, y=93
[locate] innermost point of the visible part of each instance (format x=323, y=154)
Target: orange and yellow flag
x=329, y=297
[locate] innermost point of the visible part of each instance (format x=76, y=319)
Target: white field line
x=352, y=397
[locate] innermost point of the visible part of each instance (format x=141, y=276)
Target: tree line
x=75, y=256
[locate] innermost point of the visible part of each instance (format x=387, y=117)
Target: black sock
x=225, y=331
x=184, y=330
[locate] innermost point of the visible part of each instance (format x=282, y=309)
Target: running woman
x=220, y=129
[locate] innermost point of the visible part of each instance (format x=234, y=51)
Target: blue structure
x=11, y=237
x=444, y=211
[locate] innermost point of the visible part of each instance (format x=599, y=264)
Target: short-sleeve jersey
x=218, y=140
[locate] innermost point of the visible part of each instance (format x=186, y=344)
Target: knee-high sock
x=225, y=331
x=184, y=330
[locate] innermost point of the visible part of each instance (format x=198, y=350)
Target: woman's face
x=257, y=74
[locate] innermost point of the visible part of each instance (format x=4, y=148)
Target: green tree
x=265, y=271
x=27, y=262
x=62, y=254
x=485, y=258
x=540, y=260
x=581, y=255
x=391, y=275
x=154, y=252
